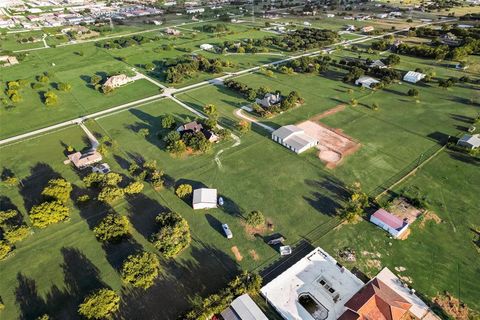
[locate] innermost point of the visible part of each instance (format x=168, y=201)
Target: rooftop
x=319, y=276
x=389, y=219
x=205, y=195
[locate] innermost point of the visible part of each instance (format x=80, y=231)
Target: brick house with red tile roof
x=376, y=301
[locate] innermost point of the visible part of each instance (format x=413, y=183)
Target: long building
x=294, y=138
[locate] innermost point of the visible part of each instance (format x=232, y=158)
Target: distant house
x=194, y=127
x=306, y=23
x=367, y=29
x=172, y=32
x=330, y=15
x=116, y=81
x=396, y=43
x=193, y=10
x=243, y=308
x=382, y=15
x=366, y=82
x=206, y=47
x=84, y=160
x=7, y=61
x=413, y=77
x=204, y=198
x=388, y=222
x=377, y=64
x=350, y=27
x=270, y=99
x=450, y=39
x=294, y=138
x=469, y=141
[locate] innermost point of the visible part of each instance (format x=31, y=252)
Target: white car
x=227, y=231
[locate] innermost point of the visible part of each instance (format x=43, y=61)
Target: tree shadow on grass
x=30, y=303
x=32, y=186
x=143, y=211
x=119, y=251
x=214, y=223
x=465, y=158
x=207, y=271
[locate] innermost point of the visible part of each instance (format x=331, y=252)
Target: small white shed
x=413, y=77
x=204, y=198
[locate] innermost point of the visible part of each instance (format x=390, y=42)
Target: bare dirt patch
x=430, y=216
x=329, y=112
x=452, y=306
x=404, y=210
x=333, y=145
x=405, y=234
x=252, y=231
x=237, y=253
x=254, y=255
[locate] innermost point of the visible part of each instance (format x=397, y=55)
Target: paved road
x=170, y=92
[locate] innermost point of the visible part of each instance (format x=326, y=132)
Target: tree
x=392, y=60
x=244, y=126
x=375, y=106
x=43, y=78
x=140, y=270
x=144, y=132
x=168, y=121
x=48, y=213
x=357, y=202
x=7, y=215
x=5, y=249
x=149, y=66
x=14, y=234
x=183, y=190
x=99, y=304
x=112, y=228
x=50, y=98
x=353, y=102
x=255, y=219
x=62, y=86
x=95, y=79
x=210, y=109
x=10, y=180
x=413, y=92
x=111, y=194
x=58, y=189
x=173, y=236
x=134, y=187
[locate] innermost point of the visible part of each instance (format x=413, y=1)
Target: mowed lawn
x=248, y=179
x=66, y=66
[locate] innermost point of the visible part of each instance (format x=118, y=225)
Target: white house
x=294, y=138
x=243, y=308
x=194, y=10
x=413, y=77
x=117, y=81
x=270, y=99
x=377, y=64
x=388, y=222
x=469, y=141
x=204, y=198
x=7, y=61
x=316, y=287
x=366, y=82
x=330, y=15
x=206, y=47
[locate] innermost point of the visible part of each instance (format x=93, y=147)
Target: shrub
x=112, y=228
x=144, y=132
x=48, y=213
x=413, y=92
x=134, y=187
x=168, y=121
x=62, y=86
x=244, y=126
x=99, y=304
x=10, y=181
x=83, y=198
x=255, y=219
x=141, y=270
x=183, y=190
x=173, y=236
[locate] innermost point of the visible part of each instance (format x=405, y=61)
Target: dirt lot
x=333, y=145
x=404, y=210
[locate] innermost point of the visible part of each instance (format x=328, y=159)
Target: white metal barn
x=294, y=138
x=413, y=77
x=366, y=82
x=204, y=198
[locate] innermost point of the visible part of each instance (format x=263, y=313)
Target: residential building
x=330, y=15
x=204, y=198
x=206, y=47
x=193, y=126
x=389, y=222
x=270, y=99
x=350, y=28
x=243, y=308
x=450, y=39
x=7, y=61
x=116, y=81
x=366, y=82
x=294, y=138
x=316, y=287
x=377, y=64
x=84, y=160
x=194, y=10
x=172, y=32
x=413, y=76
x=469, y=141
x=367, y=29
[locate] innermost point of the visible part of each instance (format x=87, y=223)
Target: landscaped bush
x=255, y=219
x=183, y=190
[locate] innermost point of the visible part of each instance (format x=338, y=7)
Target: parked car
x=227, y=231
x=220, y=201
